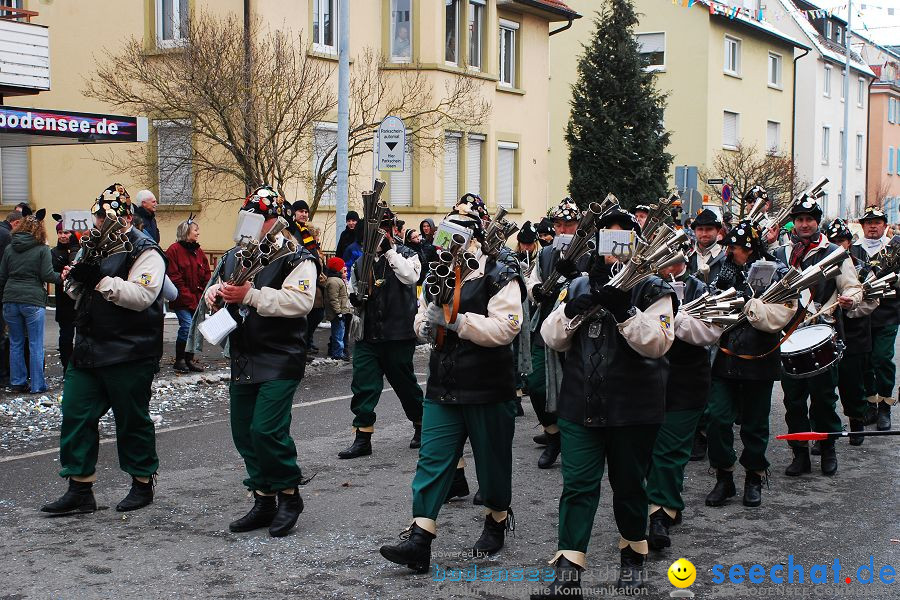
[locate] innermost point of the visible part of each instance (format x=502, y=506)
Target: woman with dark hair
x=62, y=256
x=25, y=269
x=188, y=269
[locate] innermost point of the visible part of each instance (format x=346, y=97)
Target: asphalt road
x=180, y=547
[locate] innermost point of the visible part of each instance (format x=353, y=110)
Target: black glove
x=614, y=300
x=88, y=275
x=538, y=294
x=385, y=244
x=567, y=268
x=355, y=300
x=579, y=304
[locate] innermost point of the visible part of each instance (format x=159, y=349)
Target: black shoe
x=493, y=535
x=180, y=366
x=551, y=452
x=565, y=584
x=289, y=508
x=857, y=425
x=659, y=530
x=871, y=416
x=541, y=439
x=460, y=487
x=414, y=551
x=79, y=498
x=191, y=364
x=519, y=411
x=698, y=451
x=816, y=449
x=478, y=500
x=361, y=446
x=829, y=458
x=260, y=515
x=752, y=489
x=883, y=422
x=632, y=575
x=723, y=490
x=312, y=349
x=800, y=464
x=416, y=441
x=140, y=495
x=17, y=389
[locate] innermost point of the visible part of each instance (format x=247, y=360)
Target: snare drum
x=810, y=351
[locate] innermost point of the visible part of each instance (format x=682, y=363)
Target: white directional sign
x=391, y=145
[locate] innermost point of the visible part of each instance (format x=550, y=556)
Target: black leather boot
x=753, y=489
x=260, y=515
x=800, y=464
x=460, y=487
x=632, y=575
x=541, y=439
x=816, y=449
x=871, y=416
x=551, y=452
x=477, y=499
x=723, y=490
x=829, y=458
x=519, y=411
x=79, y=498
x=361, y=446
x=659, y=530
x=191, y=365
x=566, y=583
x=289, y=508
x=857, y=425
x=698, y=451
x=416, y=441
x=414, y=551
x=140, y=495
x=180, y=366
x=883, y=422
x=493, y=535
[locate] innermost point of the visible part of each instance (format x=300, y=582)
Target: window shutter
x=890, y=161
x=401, y=182
x=451, y=169
x=772, y=136
x=649, y=43
x=14, y=186
x=325, y=137
x=173, y=160
x=730, y=129
x=474, y=149
x=506, y=174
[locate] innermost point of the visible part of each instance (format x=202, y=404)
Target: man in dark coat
x=146, y=210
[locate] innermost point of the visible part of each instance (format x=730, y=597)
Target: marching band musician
x=268, y=359
x=707, y=258
x=470, y=394
x=744, y=371
x=611, y=404
x=809, y=246
x=565, y=219
x=388, y=340
x=118, y=345
x=687, y=392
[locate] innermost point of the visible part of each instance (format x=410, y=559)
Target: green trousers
x=821, y=390
x=881, y=369
x=537, y=385
x=671, y=454
x=754, y=401
x=852, y=385
x=445, y=427
x=374, y=361
x=586, y=450
x=260, y=428
x=87, y=395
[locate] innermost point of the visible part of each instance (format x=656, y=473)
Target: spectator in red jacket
x=189, y=270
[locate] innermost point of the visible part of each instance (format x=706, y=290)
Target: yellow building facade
x=505, y=159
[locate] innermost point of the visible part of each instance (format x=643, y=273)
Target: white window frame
x=456, y=33
x=653, y=68
x=515, y=148
x=737, y=130
x=329, y=197
x=451, y=137
x=860, y=148
x=841, y=141
x=892, y=103
x=478, y=8
x=826, y=90
x=826, y=144
x=779, y=61
x=508, y=80
x=860, y=92
x=773, y=149
x=838, y=32
x=318, y=45
x=828, y=29
x=177, y=38
x=160, y=125
x=732, y=42
x=395, y=58
x=844, y=85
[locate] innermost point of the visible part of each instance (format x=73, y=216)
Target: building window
x=892, y=103
x=838, y=35
x=401, y=30
x=476, y=32
x=730, y=130
x=825, y=203
x=857, y=202
x=171, y=22
x=861, y=92
x=508, y=51
x=890, y=161
x=732, y=56
x=402, y=181
x=506, y=174
x=774, y=70
x=773, y=137
x=652, y=48
x=827, y=89
x=474, y=153
x=325, y=26
x=843, y=85
x=828, y=29
x=451, y=27
x=14, y=175
x=451, y=168
x=841, y=150
x=173, y=159
x=826, y=144
x=324, y=149
x=859, y=150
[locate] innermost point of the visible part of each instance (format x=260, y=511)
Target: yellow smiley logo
x=682, y=573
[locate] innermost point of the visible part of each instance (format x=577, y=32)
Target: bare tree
x=204, y=84
x=881, y=193
x=745, y=167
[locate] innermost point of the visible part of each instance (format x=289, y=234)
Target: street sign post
x=726, y=193
x=391, y=145
x=716, y=181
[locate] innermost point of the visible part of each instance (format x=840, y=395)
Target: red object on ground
x=806, y=436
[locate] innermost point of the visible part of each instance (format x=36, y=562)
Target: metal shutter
x=506, y=174
x=474, y=150
x=14, y=187
x=451, y=168
x=324, y=139
x=173, y=159
x=773, y=135
x=730, y=129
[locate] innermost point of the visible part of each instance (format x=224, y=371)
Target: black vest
x=108, y=334
x=267, y=348
x=547, y=259
x=391, y=307
x=888, y=311
x=689, y=365
x=462, y=372
x=605, y=382
x=858, y=331
x=825, y=289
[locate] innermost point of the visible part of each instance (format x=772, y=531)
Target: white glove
x=434, y=314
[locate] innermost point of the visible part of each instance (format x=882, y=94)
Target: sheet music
x=216, y=328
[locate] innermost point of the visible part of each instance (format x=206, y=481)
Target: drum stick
x=808, y=436
x=822, y=311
